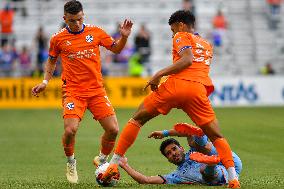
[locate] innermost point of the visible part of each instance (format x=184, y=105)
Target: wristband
x=165, y=133
x=45, y=81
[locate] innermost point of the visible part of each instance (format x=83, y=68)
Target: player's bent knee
x=70, y=131
x=112, y=130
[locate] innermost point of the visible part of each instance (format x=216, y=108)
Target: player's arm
x=185, y=60
x=125, y=31
x=139, y=177
x=166, y=133
x=49, y=70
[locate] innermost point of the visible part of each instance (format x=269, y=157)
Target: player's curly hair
x=167, y=142
x=183, y=16
x=73, y=7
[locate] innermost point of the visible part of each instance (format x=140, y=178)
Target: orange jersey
x=202, y=55
x=80, y=57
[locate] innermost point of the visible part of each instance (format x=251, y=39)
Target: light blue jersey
x=189, y=172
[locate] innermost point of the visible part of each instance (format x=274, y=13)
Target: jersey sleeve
x=181, y=42
x=106, y=40
x=172, y=178
x=53, y=48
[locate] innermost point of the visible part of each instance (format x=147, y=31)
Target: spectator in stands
x=275, y=6
x=274, y=13
x=188, y=5
x=6, y=21
x=7, y=60
x=218, y=34
x=41, y=41
x=219, y=21
x=267, y=69
x=143, y=47
x=25, y=60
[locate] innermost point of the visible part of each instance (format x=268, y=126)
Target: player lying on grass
x=189, y=169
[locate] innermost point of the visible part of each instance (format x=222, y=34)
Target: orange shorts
x=74, y=106
x=190, y=96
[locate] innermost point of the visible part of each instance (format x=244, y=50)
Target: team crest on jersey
x=70, y=106
x=178, y=40
x=89, y=38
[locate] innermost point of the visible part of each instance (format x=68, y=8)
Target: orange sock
x=224, y=151
x=68, y=148
x=106, y=146
x=127, y=137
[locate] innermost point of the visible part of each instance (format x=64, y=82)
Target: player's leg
x=103, y=111
x=73, y=111
x=131, y=130
x=126, y=139
x=68, y=140
x=199, y=109
x=110, y=126
x=212, y=130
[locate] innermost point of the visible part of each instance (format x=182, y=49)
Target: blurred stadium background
x=247, y=69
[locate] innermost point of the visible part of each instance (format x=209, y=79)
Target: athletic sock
x=225, y=153
x=127, y=137
x=106, y=146
x=232, y=173
x=71, y=159
x=115, y=159
x=68, y=148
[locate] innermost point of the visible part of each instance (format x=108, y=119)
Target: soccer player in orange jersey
x=187, y=87
x=82, y=88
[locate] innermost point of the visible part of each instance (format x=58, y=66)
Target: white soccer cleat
x=97, y=161
x=71, y=172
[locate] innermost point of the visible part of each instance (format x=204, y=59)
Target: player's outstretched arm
x=125, y=31
x=139, y=177
x=49, y=69
x=166, y=133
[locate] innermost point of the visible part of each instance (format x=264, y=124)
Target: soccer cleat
x=202, y=158
x=234, y=184
x=71, y=172
x=187, y=129
x=97, y=161
x=111, y=172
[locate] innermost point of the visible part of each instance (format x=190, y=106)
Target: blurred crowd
x=134, y=60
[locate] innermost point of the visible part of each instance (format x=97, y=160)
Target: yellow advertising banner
x=16, y=92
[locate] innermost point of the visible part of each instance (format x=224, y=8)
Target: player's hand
x=153, y=82
x=38, y=89
x=156, y=135
x=123, y=162
x=125, y=28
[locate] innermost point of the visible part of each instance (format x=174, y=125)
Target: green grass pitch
x=31, y=155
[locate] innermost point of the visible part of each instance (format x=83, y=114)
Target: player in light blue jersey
x=188, y=171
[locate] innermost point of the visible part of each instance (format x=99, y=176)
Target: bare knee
x=212, y=130
x=70, y=131
x=113, y=130
x=142, y=116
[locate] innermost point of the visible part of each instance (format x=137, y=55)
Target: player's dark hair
x=167, y=142
x=73, y=7
x=183, y=16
